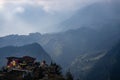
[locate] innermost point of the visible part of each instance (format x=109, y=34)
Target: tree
x=56, y=69
x=69, y=76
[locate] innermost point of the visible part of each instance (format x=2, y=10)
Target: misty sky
x=27, y=16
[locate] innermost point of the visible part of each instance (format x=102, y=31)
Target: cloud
x=64, y=5
x=19, y=10
x=51, y=5
x=25, y=16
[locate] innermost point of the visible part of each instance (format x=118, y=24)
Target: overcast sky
x=27, y=16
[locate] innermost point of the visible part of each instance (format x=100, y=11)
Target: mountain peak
x=33, y=45
x=35, y=34
x=33, y=50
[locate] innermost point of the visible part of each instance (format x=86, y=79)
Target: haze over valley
x=81, y=38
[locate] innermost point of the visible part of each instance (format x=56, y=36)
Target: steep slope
x=95, y=15
x=72, y=43
x=69, y=44
x=101, y=33
x=33, y=50
x=107, y=68
x=84, y=63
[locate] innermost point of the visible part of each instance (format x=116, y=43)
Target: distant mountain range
x=99, y=14
x=33, y=50
x=72, y=42
x=93, y=31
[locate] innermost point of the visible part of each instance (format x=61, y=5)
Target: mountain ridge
x=33, y=50
x=94, y=15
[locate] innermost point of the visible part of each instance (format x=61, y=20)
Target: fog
x=44, y=16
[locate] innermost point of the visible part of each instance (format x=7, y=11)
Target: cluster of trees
x=52, y=72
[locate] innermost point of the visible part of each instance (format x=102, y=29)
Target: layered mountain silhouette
x=17, y=40
x=33, y=50
x=94, y=15
x=72, y=42
x=94, y=31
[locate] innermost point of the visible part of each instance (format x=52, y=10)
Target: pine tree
x=56, y=68
x=69, y=76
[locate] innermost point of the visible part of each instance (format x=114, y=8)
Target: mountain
x=100, y=34
x=33, y=50
x=69, y=44
x=17, y=40
x=95, y=15
x=72, y=43
x=107, y=68
x=82, y=65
